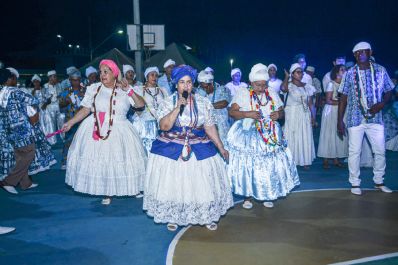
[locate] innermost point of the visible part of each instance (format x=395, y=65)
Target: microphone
x=184, y=95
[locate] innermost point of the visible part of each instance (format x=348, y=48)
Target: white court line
x=174, y=242
x=357, y=261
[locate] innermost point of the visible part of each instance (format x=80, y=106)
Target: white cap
x=70, y=70
x=361, y=46
x=209, y=69
x=13, y=71
x=168, y=63
x=311, y=69
x=151, y=69
x=205, y=77
x=294, y=67
x=90, y=70
x=126, y=68
x=235, y=70
x=273, y=65
x=259, y=72
x=36, y=77
x=50, y=73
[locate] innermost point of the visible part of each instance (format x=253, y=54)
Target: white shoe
x=139, y=195
x=172, y=227
x=10, y=189
x=33, y=185
x=268, y=204
x=212, y=227
x=247, y=205
x=384, y=189
x=63, y=167
x=356, y=191
x=106, y=201
x=6, y=230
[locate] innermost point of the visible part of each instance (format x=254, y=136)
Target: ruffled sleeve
x=165, y=107
x=89, y=95
x=242, y=99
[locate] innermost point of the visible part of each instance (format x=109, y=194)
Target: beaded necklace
x=264, y=128
x=154, y=99
x=360, y=92
x=112, y=103
x=194, y=118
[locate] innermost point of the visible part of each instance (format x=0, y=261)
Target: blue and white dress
x=265, y=171
x=220, y=116
x=145, y=122
x=196, y=191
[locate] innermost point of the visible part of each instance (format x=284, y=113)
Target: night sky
x=248, y=31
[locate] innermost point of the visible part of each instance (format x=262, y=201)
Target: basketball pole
x=138, y=52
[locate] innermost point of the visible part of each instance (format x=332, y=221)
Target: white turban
x=90, y=70
x=205, y=77
x=209, y=69
x=168, y=63
x=36, y=77
x=50, y=73
x=361, y=46
x=294, y=67
x=259, y=72
x=273, y=65
x=151, y=69
x=13, y=71
x=70, y=70
x=126, y=68
x=311, y=69
x=235, y=70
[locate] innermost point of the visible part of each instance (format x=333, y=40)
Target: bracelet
x=131, y=92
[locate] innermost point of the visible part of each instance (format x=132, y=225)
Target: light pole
x=120, y=32
x=231, y=61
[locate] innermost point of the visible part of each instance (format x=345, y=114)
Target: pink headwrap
x=112, y=65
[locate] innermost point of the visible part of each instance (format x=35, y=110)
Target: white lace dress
x=191, y=192
x=115, y=166
x=297, y=128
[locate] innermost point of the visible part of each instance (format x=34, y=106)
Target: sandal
x=247, y=205
x=172, y=227
x=106, y=201
x=326, y=165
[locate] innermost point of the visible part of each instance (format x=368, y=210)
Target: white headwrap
x=235, y=70
x=259, y=72
x=70, y=70
x=205, y=77
x=36, y=77
x=126, y=68
x=13, y=71
x=273, y=65
x=168, y=63
x=209, y=69
x=361, y=46
x=294, y=67
x=90, y=70
x=149, y=70
x=50, y=73
x=311, y=69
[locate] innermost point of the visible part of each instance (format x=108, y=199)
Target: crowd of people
x=186, y=144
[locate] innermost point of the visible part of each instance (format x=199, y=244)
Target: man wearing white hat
x=366, y=88
x=129, y=74
x=65, y=83
x=52, y=89
x=219, y=97
x=235, y=85
x=91, y=75
x=165, y=80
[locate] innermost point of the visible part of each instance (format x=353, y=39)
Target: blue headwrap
x=181, y=71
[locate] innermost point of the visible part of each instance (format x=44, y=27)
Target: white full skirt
x=191, y=192
x=298, y=133
x=112, y=167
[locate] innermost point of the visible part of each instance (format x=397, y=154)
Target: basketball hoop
x=148, y=49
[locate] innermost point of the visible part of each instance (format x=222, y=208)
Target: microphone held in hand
x=184, y=95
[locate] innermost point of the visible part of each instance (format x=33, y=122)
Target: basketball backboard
x=152, y=37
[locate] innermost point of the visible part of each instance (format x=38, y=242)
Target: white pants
x=375, y=134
